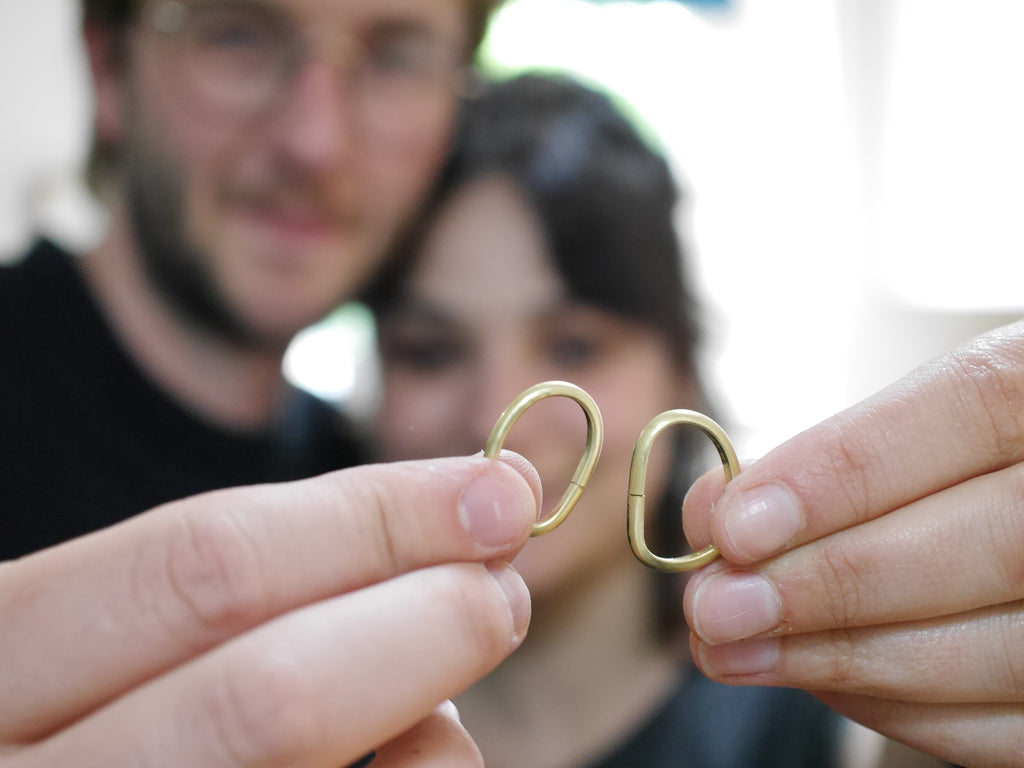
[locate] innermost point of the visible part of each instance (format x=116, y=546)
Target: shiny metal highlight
x=591, y=451
x=635, y=500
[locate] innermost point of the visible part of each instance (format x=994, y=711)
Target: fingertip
x=693, y=584
x=726, y=606
x=699, y=508
x=496, y=510
x=759, y=522
x=517, y=595
x=527, y=471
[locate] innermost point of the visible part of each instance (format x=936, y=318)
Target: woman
x=549, y=252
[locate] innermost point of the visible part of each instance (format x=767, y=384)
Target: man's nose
x=315, y=127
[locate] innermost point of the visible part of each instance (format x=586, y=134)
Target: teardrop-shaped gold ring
x=591, y=451
x=638, y=481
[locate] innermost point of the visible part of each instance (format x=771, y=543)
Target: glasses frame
x=397, y=106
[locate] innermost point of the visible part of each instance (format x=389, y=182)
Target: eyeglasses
x=238, y=59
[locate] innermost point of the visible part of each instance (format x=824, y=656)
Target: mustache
x=296, y=198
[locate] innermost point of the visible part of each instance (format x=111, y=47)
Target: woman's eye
x=574, y=350
x=424, y=356
x=394, y=57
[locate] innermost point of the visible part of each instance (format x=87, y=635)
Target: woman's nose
x=550, y=419
x=495, y=387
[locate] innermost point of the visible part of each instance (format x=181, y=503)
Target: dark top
x=709, y=725
x=86, y=439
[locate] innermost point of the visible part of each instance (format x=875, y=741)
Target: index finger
x=89, y=619
x=957, y=417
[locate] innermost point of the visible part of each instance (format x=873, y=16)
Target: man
x=257, y=158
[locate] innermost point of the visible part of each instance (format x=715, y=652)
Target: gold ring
x=638, y=479
x=591, y=451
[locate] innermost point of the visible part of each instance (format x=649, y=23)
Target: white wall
x=44, y=126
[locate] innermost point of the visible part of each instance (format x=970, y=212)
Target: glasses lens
x=240, y=57
x=404, y=77
x=237, y=53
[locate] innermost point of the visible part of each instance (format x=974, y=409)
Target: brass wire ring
x=591, y=451
x=638, y=479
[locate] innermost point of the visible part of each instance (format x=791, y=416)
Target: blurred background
x=852, y=172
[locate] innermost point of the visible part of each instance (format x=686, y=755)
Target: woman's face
x=484, y=316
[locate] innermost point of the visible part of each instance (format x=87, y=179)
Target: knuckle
x=385, y=539
x=991, y=383
x=843, y=662
x=1002, y=521
x=258, y=713
x=372, y=495
x=850, y=463
x=1008, y=666
x=215, y=574
x=1017, y=750
x=841, y=580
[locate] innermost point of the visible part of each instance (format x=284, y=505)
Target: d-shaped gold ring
x=638, y=481
x=591, y=451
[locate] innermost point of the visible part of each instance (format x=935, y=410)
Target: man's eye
x=237, y=31
x=405, y=57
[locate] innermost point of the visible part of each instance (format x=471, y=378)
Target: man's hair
x=115, y=15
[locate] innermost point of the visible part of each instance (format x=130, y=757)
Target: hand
x=302, y=624
x=878, y=560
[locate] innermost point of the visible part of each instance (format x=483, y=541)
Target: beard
x=178, y=270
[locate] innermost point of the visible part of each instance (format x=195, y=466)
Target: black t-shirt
x=86, y=439
x=709, y=725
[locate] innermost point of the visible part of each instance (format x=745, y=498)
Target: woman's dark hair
x=607, y=205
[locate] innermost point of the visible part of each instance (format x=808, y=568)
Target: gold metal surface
x=638, y=479
x=591, y=451
x=635, y=499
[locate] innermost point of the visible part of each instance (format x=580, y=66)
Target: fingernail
x=752, y=657
x=496, y=509
x=733, y=606
x=449, y=709
x=763, y=521
x=518, y=595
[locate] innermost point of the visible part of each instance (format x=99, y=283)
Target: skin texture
x=222, y=639
x=484, y=315
x=876, y=558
